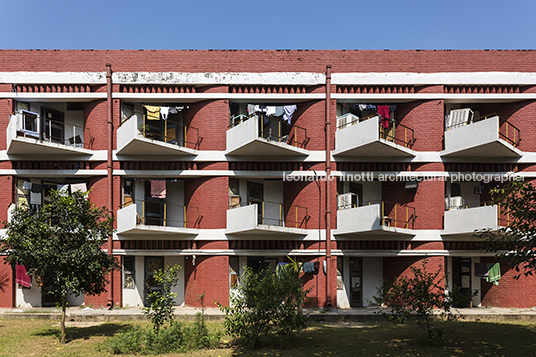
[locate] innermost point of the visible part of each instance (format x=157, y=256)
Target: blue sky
x=275, y=24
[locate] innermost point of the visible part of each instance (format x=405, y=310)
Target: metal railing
x=391, y=214
x=272, y=128
x=35, y=127
x=279, y=214
x=397, y=215
x=172, y=133
x=388, y=129
x=504, y=217
x=510, y=134
x=396, y=133
x=162, y=214
x=169, y=131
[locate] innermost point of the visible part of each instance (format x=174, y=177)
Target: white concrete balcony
x=373, y=137
x=465, y=221
x=267, y=218
x=29, y=134
x=483, y=138
x=157, y=219
x=376, y=219
x=256, y=137
x=137, y=136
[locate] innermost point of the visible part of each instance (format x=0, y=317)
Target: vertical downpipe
x=328, y=182
x=110, y=172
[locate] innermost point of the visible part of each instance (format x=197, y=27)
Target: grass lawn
x=40, y=338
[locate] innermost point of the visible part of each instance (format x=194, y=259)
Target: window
x=233, y=272
x=128, y=192
x=234, y=193
x=128, y=272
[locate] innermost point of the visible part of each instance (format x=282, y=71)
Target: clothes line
x=284, y=111
x=155, y=112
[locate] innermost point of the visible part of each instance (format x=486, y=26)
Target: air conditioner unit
x=347, y=200
x=345, y=120
x=460, y=117
x=456, y=202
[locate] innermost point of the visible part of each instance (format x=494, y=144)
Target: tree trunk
x=63, y=313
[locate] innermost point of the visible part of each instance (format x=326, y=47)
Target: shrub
x=418, y=295
x=161, y=303
x=265, y=303
x=179, y=337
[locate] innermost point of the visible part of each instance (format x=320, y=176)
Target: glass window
x=233, y=272
x=128, y=272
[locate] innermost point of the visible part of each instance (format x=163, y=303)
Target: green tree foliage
x=515, y=242
x=420, y=295
x=265, y=303
x=62, y=243
x=160, y=310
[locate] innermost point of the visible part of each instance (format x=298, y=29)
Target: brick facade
x=389, y=226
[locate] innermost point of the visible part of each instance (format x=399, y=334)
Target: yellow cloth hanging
x=153, y=113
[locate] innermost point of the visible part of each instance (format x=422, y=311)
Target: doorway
x=356, y=282
x=53, y=126
x=256, y=196
x=151, y=265
x=461, y=278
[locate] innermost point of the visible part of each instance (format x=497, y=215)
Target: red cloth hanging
x=22, y=276
x=158, y=188
x=383, y=111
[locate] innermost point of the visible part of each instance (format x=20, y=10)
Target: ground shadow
x=76, y=333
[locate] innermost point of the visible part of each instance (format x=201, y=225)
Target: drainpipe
x=328, y=182
x=110, y=171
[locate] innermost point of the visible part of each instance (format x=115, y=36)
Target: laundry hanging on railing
x=289, y=111
x=158, y=188
x=285, y=111
x=164, y=111
x=153, y=112
x=373, y=107
x=383, y=110
x=489, y=271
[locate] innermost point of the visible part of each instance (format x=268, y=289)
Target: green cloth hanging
x=494, y=273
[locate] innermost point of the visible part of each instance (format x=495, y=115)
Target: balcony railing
x=279, y=214
x=397, y=215
x=509, y=133
x=274, y=130
x=504, y=217
x=31, y=125
x=388, y=129
x=168, y=131
x=462, y=117
x=153, y=213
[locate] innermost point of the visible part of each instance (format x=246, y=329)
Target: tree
x=62, y=243
x=265, y=303
x=515, y=242
x=418, y=295
x=161, y=302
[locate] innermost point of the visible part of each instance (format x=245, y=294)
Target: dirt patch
x=347, y=324
x=80, y=323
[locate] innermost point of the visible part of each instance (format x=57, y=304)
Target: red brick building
x=212, y=159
